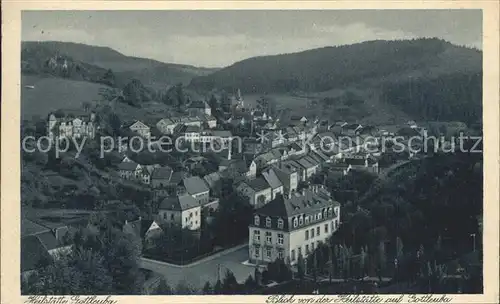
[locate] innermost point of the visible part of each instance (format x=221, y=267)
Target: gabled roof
x=272, y=179
x=162, y=173
x=33, y=253
x=298, y=203
x=179, y=203
x=258, y=184
x=195, y=185
x=48, y=240
x=212, y=179
x=29, y=227
x=305, y=163
x=138, y=124
x=192, y=129
x=127, y=166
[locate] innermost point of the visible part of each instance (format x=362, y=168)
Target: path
x=198, y=273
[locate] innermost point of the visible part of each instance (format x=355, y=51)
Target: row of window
x=268, y=222
x=268, y=252
x=298, y=221
x=269, y=237
x=299, y=250
x=301, y=220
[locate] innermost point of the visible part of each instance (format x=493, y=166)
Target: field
x=51, y=94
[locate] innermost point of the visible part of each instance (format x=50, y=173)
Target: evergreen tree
x=163, y=288
x=207, y=288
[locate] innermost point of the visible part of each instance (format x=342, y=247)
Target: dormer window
x=319, y=216
x=268, y=222
x=280, y=224
x=325, y=213
x=330, y=211
x=295, y=222
x=257, y=220
x=301, y=220
x=307, y=219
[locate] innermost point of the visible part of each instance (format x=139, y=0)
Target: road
x=198, y=273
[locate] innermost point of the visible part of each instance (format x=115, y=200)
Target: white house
x=293, y=227
x=256, y=190
x=181, y=210
x=140, y=128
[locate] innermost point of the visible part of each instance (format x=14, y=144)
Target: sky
x=220, y=38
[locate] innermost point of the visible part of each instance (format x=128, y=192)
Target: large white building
x=293, y=225
x=71, y=124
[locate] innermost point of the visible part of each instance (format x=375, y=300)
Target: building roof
x=127, y=166
x=272, y=179
x=222, y=133
x=305, y=163
x=195, y=185
x=162, y=173
x=355, y=161
x=29, y=227
x=179, y=203
x=307, y=202
x=48, y=240
x=212, y=179
x=258, y=184
x=33, y=253
x=192, y=129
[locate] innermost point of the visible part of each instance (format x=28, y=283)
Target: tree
x=301, y=267
x=250, y=284
x=163, y=288
x=108, y=78
x=229, y=283
x=382, y=259
x=183, y=288
x=207, y=288
x=218, y=287
x=363, y=257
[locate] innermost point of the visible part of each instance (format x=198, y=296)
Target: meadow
x=50, y=94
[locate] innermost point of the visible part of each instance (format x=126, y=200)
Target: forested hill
x=331, y=67
x=378, y=66
x=153, y=73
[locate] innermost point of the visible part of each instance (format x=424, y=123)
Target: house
x=127, y=169
x=146, y=172
x=243, y=167
x=191, y=133
x=351, y=129
x=71, y=124
x=197, y=188
x=167, y=125
x=288, y=176
x=210, y=121
x=257, y=191
x=220, y=137
x=287, y=228
x=180, y=210
x=198, y=108
x=213, y=181
x=161, y=177
x=309, y=167
x=362, y=163
x=33, y=255
x=150, y=231
x=140, y=128
x=41, y=245
x=272, y=179
x=265, y=159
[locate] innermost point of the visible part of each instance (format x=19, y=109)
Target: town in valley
x=271, y=176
